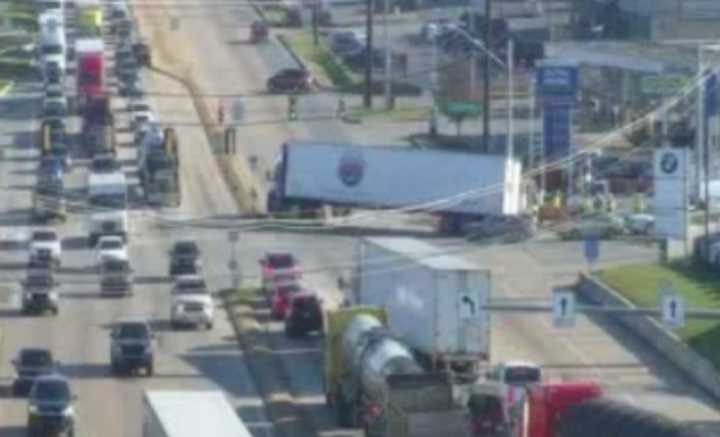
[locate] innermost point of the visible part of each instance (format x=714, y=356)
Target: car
x=595, y=226
x=304, y=315
x=185, y=266
x=191, y=302
x=111, y=247
x=145, y=129
x=31, y=364
x=432, y=29
x=346, y=42
x=46, y=244
x=50, y=407
x=280, y=298
x=131, y=88
x=640, y=224
x=132, y=346
x=54, y=107
x=139, y=118
x=40, y=290
x=185, y=249
x=56, y=124
x=51, y=167
x=358, y=59
x=290, y=80
x=278, y=268
x=138, y=106
x=116, y=277
x=127, y=65
x=105, y=163
x=59, y=153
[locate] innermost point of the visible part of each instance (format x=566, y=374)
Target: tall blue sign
x=557, y=88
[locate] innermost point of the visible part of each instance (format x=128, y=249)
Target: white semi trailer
x=190, y=414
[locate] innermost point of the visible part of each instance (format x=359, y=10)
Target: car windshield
x=111, y=244
x=281, y=261
x=44, y=236
x=191, y=287
x=51, y=50
x=186, y=248
x=52, y=391
x=35, y=358
x=522, y=375
x=118, y=201
x=133, y=330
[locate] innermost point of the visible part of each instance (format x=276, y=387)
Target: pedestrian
x=292, y=107
x=221, y=114
x=341, y=108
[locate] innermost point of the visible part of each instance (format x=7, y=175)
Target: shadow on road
x=85, y=370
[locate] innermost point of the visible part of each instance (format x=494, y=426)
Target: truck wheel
x=343, y=412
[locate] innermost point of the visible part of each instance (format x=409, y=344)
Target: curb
x=7, y=88
x=258, y=351
x=690, y=363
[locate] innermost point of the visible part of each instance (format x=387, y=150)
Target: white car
x=140, y=117
x=111, y=247
x=46, y=244
x=191, y=302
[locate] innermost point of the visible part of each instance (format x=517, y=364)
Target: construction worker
x=292, y=107
x=221, y=114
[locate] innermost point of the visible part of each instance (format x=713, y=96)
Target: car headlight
x=33, y=409
x=68, y=411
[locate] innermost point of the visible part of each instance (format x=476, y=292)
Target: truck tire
x=343, y=412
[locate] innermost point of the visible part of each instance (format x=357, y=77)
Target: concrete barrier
x=698, y=369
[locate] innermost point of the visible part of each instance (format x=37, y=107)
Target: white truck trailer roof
x=425, y=254
x=89, y=45
x=194, y=413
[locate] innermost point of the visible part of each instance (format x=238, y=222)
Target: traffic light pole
x=486, y=75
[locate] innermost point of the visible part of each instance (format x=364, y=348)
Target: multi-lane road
x=111, y=406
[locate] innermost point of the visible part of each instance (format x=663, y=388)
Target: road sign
x=468, y=307
x=592, y=250
x=673, y=309
x=465, y=109
x=558, y=83
x=234, y=236
x=563, y=308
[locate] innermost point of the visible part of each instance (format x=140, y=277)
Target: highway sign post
x=563, y=308
x=592, y=251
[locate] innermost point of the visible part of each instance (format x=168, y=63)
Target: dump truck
x=367, y=371
x=434, y=301
x=159, y=167
x=564, y=409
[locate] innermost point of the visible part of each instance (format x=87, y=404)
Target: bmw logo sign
x=669, y=163
x=351, y=168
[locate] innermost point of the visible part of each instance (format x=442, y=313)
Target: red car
x=278, y=269
x=280, y=299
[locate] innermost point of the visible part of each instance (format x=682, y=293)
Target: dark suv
x=304, y=315
x=290, y=80
x=50, y=407
x=131, y=347
x=30, y=364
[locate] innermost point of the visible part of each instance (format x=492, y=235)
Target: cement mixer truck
x=373, y=381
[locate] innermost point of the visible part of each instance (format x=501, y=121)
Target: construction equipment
x=159, y=167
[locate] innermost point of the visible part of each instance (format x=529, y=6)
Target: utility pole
x=315, y=22
x=510, y=101
x=388, y=60
x=486, y=75
x=367, y=98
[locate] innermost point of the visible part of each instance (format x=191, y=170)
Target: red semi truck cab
x=90, y=70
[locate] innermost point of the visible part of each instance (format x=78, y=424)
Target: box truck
x=458, y=187
x=434, y=301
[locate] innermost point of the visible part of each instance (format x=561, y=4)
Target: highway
x=111, y=406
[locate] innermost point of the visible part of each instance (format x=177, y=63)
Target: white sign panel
x=671, y=192
x=563, y=308
x=673, y=310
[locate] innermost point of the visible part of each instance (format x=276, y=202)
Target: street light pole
x=367, y=98
x=486, y=75
x=510, y=101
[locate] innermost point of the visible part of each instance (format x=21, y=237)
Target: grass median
x=700, y=289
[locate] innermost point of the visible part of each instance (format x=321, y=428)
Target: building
x=673, y=19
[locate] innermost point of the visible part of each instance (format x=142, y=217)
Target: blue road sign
x=558, y=84
x=592, y=250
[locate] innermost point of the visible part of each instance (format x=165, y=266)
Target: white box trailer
x=190, y=414
x=456, y=185
x=434, y=301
